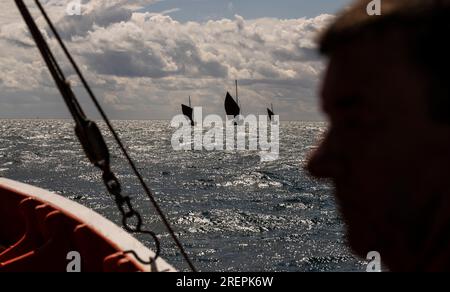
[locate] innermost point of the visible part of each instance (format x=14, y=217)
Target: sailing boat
x=232, y=107
x=270, y=111
x=188, y=111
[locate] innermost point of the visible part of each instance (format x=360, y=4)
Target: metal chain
x=128, y=212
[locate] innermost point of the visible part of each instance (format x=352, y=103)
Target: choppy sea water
x=231, y=211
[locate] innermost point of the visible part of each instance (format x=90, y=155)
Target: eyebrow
x=341, y=103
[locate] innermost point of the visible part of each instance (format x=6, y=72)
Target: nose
x=324, y=161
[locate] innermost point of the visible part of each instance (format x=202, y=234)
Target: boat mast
x=190, y=101
x=271, y=106
x=237, y=96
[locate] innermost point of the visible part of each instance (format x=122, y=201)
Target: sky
x=143, y=58
x=204, y=10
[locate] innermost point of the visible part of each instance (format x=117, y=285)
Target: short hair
x=427, y=23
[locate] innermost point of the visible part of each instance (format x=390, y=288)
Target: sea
x=231, y=211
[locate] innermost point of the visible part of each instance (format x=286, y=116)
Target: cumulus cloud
x=99, y=13
x=145, y=64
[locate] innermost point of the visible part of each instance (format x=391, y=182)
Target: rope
x=46, y=51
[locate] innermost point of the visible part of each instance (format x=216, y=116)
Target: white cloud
x=146, y=64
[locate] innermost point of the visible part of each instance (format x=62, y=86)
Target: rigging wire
x=74, y=107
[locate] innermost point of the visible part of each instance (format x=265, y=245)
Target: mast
x=237, y=96
x=190, y=101
x=271, y=106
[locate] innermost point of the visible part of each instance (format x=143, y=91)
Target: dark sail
x=231, y=106
x=270, y=113
x=188, y=111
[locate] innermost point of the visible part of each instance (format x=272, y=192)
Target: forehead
x=371, y=66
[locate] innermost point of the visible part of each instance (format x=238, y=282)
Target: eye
x=348, y=102
x=348, y=124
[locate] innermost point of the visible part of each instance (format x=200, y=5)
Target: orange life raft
x=39, y=230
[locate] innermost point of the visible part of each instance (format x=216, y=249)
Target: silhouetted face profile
x=388, y=159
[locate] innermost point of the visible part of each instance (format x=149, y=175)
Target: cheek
x=375, y=195
x=383, y=152
x=370, y=188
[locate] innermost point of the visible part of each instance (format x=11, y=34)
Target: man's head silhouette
x=386, y=93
